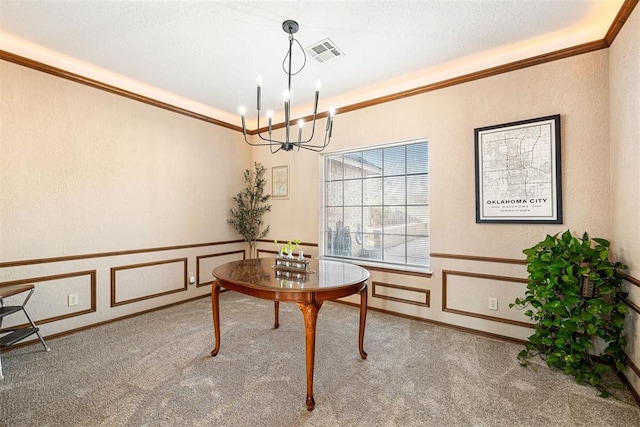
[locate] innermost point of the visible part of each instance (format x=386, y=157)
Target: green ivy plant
x=251, y=205
x=574, y=296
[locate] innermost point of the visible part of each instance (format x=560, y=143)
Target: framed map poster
x=518, y=177
x=280, y=182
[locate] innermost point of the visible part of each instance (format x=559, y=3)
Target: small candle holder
x=292, y=267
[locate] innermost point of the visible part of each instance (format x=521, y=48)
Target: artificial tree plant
x=574, y=296
x=251, y=205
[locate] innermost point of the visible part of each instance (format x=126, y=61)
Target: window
x=376, y=205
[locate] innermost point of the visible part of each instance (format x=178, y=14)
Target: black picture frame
x=518, y=172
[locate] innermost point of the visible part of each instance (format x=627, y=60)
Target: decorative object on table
x=575, y=297
x=251, y=205
x=287, y=264
x=288, y=143
x=280, y=182
x=518, y=177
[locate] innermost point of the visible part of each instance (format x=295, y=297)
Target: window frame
x=323, y=210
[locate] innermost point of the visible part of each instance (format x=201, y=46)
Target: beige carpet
x=155, y=370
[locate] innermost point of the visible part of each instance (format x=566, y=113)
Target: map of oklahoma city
x=517, y=172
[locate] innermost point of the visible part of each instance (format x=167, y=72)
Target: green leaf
x=571, y=300
x=604, y=254
x=586, y=316
x=602, y=242
x=622, y=308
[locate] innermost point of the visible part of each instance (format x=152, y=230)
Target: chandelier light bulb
x=243, y=111
x=300, y=125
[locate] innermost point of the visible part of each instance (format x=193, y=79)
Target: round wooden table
x=328, y=280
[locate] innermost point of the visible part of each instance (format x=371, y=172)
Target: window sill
x=379, y=266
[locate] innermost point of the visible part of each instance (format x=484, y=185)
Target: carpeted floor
x=156, y=370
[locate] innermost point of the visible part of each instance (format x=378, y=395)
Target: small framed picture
x=518, y=176
x=280, y=182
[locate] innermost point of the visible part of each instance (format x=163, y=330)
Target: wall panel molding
x=631, y=305
x=423, y=294
x=396, y=271
x=114, y=271
x=200, y=257
x=445, y=308
x=102, y=323
x=92, y=284
x=479, y=258
x=111, y=254
x=309, y=244
x=630, y=279
x=633, y=366
x=633, y=280
x=439, y=323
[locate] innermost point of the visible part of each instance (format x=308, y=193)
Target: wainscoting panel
x=468, y=294
x=160, y=278
x=206, y=263
x=632, y=326
x=400, y=293
x=49, y=301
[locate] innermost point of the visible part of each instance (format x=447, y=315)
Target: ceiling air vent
x=324, y=51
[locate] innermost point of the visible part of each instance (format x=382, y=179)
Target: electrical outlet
x=493, y=303
x=73, y=300
x=192, y=279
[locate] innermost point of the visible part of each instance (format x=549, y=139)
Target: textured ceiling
x=205, y=55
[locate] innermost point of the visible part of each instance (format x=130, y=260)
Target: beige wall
x=624, y=113
x=83, y=171
x=575, y=87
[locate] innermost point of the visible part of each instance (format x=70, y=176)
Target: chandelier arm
x=271, y=148
x=270, y=142
x=259, y=134
x=316, y=148
x=313, y=130
x=327, y=138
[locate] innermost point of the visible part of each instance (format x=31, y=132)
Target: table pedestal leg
x=310, y=313
x=363, y=319
x=276, y=309
x=215, y=308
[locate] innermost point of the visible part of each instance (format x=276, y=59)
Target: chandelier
x=290, y=27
